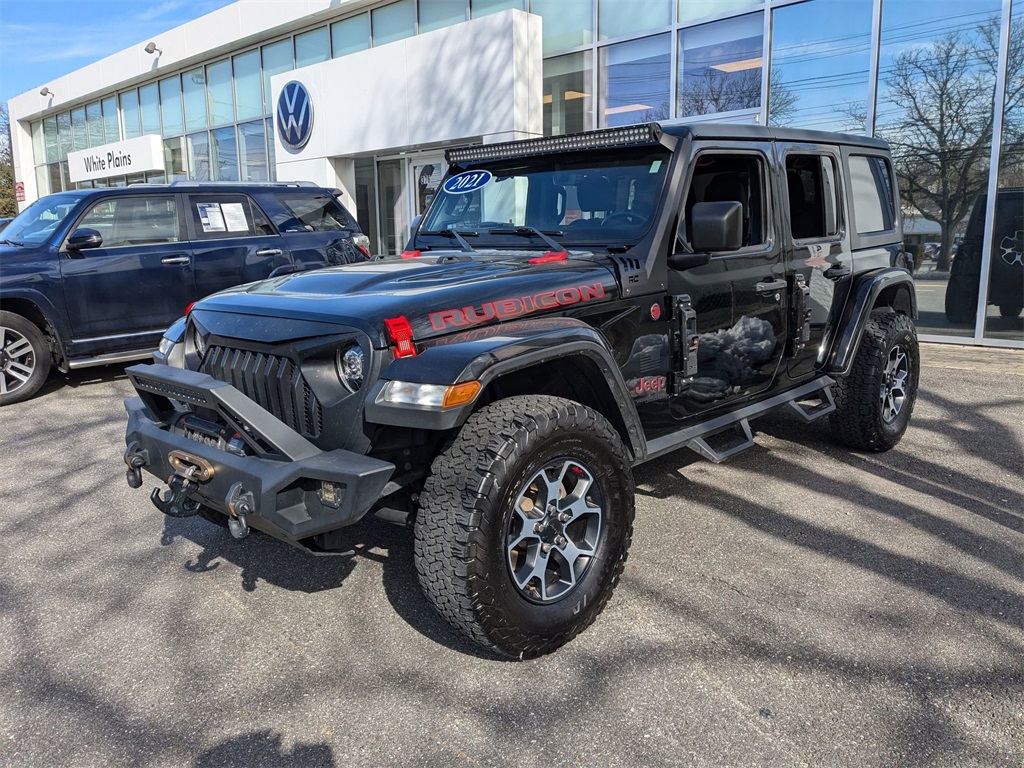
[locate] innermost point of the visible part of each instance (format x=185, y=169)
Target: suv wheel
x=874, y=402
x=961, y=302
x=525, y=524
x=24, y=358
x=1010, y=310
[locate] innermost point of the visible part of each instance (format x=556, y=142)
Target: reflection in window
x=1005, y=298
x=79, y=136
x=690, y=10
x=218, y=87
x=134, y=220
x=820, y=61
x=567, y=23
x=94, y=117
x=252, y=145
x=63, y=135
x=937, y=73
x=441, y=13
x=568, y=103
x=619, y=18
x=38, y=146
x=480, y=8
x=350, y=35
x=170, y=106
x=199, y=156
x=720, y=66
x=635, y=81
x=50, y=138
x=248, y=85
x=224, y=154
x=277, y=58
x=871, y=186
x=130, y=119
x=312, y=47
x=393, y=22
x=111, y=130
x=193, y=85
x=149, y=108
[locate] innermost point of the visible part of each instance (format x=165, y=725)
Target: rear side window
x=314, y=213
x=134, y=220
x=813, y=201
x=871, y=185
x=221, y=216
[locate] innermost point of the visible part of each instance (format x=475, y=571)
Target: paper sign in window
x=234, y=217
x=211, y=217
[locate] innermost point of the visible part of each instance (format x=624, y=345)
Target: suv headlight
x=198, y=342
x=351, y=364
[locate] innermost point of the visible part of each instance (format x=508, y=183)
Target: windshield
x=36, y=223
x=584, y=199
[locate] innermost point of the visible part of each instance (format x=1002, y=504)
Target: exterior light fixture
x=151, y=48
x=45, y=91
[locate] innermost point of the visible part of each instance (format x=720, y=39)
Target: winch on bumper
x=282, y=485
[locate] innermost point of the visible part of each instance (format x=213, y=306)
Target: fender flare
x=509, y=348
x=863, y=296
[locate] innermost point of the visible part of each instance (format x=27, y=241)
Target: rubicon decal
x=503, y=309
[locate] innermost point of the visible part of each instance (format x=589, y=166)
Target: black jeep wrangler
x=567, y=309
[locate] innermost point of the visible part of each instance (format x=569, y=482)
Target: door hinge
x=799, y=316
x=685, y=342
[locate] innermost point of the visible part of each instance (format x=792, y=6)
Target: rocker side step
x=724, y=445
x=815, y=406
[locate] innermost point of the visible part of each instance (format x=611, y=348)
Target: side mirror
x=717, y=226
x=84, y=238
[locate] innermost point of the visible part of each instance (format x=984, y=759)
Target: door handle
x=836, y=272
x=173, y=260
x=774, y=285
x=269, y=252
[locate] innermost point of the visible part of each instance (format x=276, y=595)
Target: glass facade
x=944, y=88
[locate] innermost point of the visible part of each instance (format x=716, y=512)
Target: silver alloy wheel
x=17, y=360
x=554, y=530
x=894, y=384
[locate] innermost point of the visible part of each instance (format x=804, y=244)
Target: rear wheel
x=525, y=524
x=24, y=358
x=874, y=402
x=1010, y=310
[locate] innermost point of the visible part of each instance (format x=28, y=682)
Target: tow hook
x=189, y=472
x=241, y=504
x=136, y=458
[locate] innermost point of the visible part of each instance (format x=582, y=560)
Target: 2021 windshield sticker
x=467, y=181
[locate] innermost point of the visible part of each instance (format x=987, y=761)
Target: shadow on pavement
x=265, y=749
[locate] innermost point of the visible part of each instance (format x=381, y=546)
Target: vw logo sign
x=294, y=115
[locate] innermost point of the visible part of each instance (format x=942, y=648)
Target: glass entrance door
x=394, y=205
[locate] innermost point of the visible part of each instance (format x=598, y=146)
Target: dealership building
x=366, y=96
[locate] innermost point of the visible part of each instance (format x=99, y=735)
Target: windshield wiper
x=13, y=242
x=457, y=235
x=524, y=231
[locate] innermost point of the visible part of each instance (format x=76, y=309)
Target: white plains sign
x=121, y=158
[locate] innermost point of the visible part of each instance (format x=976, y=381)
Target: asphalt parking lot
x=801, y=604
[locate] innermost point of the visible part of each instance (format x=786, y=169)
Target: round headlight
x=350, y=367
x=198, y=343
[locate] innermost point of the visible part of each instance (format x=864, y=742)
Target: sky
x=41, y=40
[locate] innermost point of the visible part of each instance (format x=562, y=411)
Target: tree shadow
x=265, y=749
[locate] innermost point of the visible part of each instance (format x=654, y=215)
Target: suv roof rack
x=190, y=183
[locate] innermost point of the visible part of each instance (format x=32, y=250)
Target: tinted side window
x=314, y=212
x=227, y=215
x=813, y=201
x=871, y=182
x=727, y=178
x=134, y=220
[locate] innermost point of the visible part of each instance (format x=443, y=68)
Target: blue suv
x=95, y=276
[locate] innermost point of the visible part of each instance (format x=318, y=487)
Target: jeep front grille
x=276, y=383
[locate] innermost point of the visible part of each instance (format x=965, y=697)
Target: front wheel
x=875, y=400
x=525, y=524
x=24, y=358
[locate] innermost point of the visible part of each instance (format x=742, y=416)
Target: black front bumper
x=287, y=477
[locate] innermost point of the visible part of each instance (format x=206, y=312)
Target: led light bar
x=630, y=135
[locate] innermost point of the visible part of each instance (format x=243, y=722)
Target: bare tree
x=714, y=91
x=941, y=132
x=8, y=203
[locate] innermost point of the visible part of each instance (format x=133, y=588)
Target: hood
x=435, y=298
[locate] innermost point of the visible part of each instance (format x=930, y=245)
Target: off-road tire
x=462, y=528
x=859, y=420
x=18, y=330
x=1010, y=311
